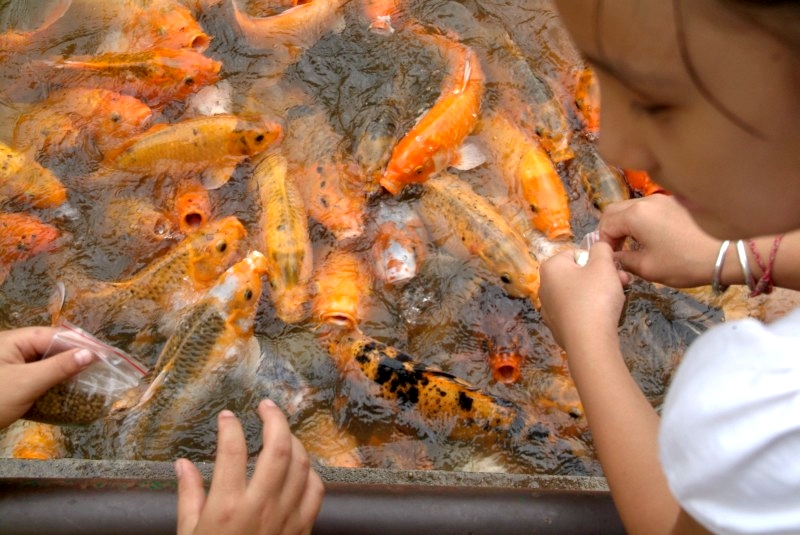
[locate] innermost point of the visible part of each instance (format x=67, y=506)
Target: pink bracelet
x=765, y=283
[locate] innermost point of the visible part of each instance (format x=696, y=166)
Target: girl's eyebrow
x=627, y=76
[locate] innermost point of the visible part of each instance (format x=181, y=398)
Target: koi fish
x=163, y=24
x=528, y=172
x=540, y=246
x=483, y=231
x=167, y=284
x=192, y=207
x=340, y=286
x=603, y=183
x=437, y=400
x=400, y=244
x=293, y=31
x=587, y=100
x=213, y=340
x=25, y=439
x=331, y=197
x=284, y=237
x=214, y=145
x=157, y=76
x=138, y=230
x=529, y=98
x=19, y=41
x=379, y=14
x=21, y=237
x=25, y=183
x=70, y=120
x=434, y=143
x=326, y=442
x=641, y=182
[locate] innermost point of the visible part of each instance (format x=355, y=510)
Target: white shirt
x=730, y=428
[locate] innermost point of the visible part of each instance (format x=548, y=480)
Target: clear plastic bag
x=581, y=254
x=87, y=396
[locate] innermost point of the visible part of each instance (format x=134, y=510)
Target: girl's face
x=738, y=175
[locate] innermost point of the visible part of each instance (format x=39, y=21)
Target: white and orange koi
x=379, y=14
x=400, y=244
x=435, y=142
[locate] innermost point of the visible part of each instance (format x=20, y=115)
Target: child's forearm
x=625, y=432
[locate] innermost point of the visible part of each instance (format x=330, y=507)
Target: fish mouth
x=339, y=318
x=506, y=367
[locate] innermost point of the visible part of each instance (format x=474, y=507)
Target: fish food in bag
x=87, y=396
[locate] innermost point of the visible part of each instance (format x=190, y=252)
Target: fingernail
x=226, y=414
x=83, y=357
x=269, y=403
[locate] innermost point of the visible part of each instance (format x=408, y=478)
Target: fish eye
x=222, y=247
x=189, y=80
x=506, y=278
x=259, y=138
x=248, y=294
x=534, y=208
x=116, y=117
x=418, y=170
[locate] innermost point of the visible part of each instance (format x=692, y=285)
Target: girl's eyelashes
x=650, y=108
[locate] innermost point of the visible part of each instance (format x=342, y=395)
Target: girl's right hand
x=668, y=247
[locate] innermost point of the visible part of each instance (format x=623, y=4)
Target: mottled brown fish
x=26, y=184
x=214, y=339
x=484, y=232
x=169, y=283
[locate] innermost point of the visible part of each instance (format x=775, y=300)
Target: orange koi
x=326, y=442
x=641, y=182
x=506, y=341
x=379, y=14
x=339, y=287
x=169, y=283
x=540, y=246
x=157, y=76
x=284, y=237
x=214, y=339
x=164, y=24
x=293, y=31
x=331, y=198
x=425, y=397
x=587, y=99
x=25, y=439
x=400, y=244
x=434, y=143
x=21, y=237
x=528, y=172
x=70, y=120
x=480, y=227
x=25, y=183
x=192, y=207
x=213, y=145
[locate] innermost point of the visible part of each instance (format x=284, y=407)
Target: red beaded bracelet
x=765, y=283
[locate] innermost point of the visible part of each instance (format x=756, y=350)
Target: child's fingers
x=37, y=377
x=191, y=495
x=230, y=466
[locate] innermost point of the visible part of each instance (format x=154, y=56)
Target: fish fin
x=215, y=177
x=469, y=156
x=56, y=301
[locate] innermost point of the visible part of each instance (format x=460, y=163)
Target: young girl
x=703, y=95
